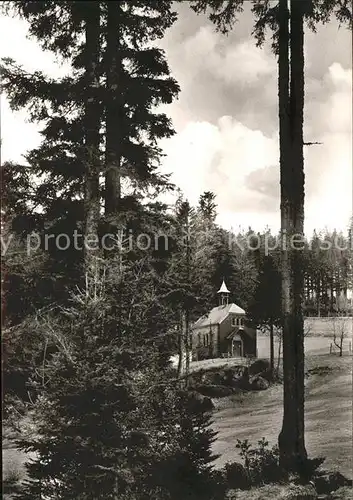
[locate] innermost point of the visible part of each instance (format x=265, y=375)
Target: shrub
x=184, y=470
x=236, y=476
x=327, y=482
x=261, y=463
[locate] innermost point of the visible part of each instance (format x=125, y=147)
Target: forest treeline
x=246, y=259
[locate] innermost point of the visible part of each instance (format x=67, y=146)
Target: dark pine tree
x=265, y=310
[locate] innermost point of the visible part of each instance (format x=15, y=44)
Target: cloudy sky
x=226, y=119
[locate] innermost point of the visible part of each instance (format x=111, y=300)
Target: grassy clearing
x=328, y=412
x=324, y=327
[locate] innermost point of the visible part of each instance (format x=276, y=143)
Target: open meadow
x=328, y=412
x=328, y=406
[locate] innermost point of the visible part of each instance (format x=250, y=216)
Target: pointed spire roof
x=223, y=288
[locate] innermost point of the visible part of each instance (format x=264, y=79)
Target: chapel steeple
x=223, y=294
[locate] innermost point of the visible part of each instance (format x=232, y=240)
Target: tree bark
x=187, y=305
x=291, y=439
x=332, y=295
x=272, y=350
x=318, y=296
x=113, y=145
x=338, y=288
x=345, y=277
x=92, y=142
x=280, y=341
x=181, y=346
x=286, y=221
x=114, y=122
x=187, y=345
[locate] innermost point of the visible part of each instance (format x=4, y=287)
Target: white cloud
x=337, y=111
x=227, y=157
x=340, y=75
x=242, y=63
x=219, y=157
x=246, y=63
x=331, y=162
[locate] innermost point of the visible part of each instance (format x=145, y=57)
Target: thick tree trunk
x=187, y=305
x=297, y=122
x=326, y=295
x=332, y=295
x=291, y=439
x=113, y=155
x=272, y=351
x=345, y=278
x=92, y=142
x=318, y=296
x=186, y=326
x=337, y=288
x=181, y=346
x=307, y=297
x=113, y=113
x=280, y=341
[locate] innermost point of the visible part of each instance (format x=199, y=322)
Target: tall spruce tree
x=92, y=166
x=129, y=124
x=72, y=111
x=265, y=309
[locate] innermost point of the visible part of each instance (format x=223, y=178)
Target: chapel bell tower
x=223, y=294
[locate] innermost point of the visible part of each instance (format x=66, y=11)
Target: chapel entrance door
x=236, y=349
